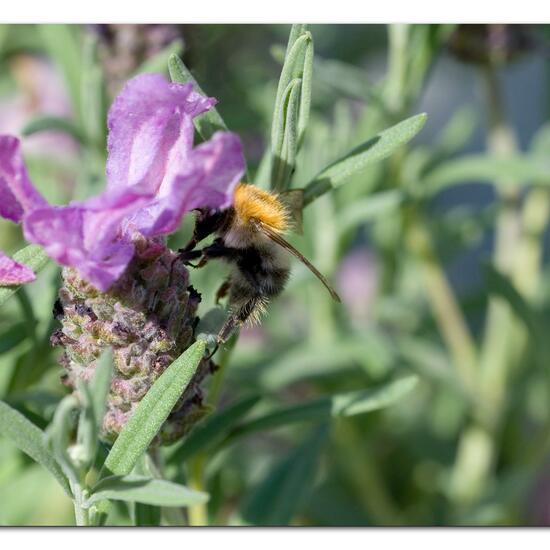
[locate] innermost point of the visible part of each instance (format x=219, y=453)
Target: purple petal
x=151, y=131
x=17, y=193
x=87, y=235
x=14, y=273
x=214, y=169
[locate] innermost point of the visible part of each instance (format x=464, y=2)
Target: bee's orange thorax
x=250, y=202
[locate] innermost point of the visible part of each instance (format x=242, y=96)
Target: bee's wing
x=293, y=200
x=275, y=237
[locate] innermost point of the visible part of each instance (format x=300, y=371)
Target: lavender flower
x=122, y=287
x=154, y=176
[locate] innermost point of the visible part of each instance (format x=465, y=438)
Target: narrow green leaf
x=156, y=492
x=159, y=62
x=146, y=514
x=31, y=440
x=296, y=31
x=373, y=150
x=293, y=68
x=284, y=159
x=363, y=401
x=153, y=410
x=13, y=336
x=60, y=434
x=312, y=411
x=369, y=209
x=305, y=97
x=208, y=123
x=340, y=405
x=94, y=403
x=53, y=123
x=32, y=256
x=519, y=169
x=286, y=487
x=212, y=430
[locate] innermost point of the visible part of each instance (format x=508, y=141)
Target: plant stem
x=476, y=451
x=81, y=514
x=444, y=305
x=198, y=513
x=501, y=142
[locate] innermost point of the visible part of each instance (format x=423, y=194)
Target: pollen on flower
x=253, y=203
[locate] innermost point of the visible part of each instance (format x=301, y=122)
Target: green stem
x=501, y=142
x=198, y=513
x=444, y=304
x=477, y=447
x=81, y=514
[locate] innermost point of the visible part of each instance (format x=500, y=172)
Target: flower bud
x=148, y=319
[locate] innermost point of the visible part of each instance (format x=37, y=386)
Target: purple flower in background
x=154, y=176
x=357, y=282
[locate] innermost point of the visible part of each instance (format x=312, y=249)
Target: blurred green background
x=438, y=254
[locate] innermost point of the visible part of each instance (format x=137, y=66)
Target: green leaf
x=146, y=490
x=32, y=256
x=293, y=68
x=305, y=97
x=369, y=209
x=153, y=410
x=13, y=336
x=373, y=150
x=158, y=63
x=60, y=434
x=53, y=123
x=340, y=405
x=363, y=401
x=208, y=123
x=284, y=158
x=145, y=515
x=519, y=169
x=94, y=397
x=31, y=440
x=212, y=430
x=292, y=106
x=283, y=491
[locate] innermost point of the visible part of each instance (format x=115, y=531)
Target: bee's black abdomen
x=261, y=273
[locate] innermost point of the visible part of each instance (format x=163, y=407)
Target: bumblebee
x=250, y=239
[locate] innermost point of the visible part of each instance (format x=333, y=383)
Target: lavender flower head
x=122, y=286
x=154, y=176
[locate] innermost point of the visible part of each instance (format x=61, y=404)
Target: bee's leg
x=186, y=256
x=223, y=290
x=213, y=352
x=206, y=223
x=238, y=317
